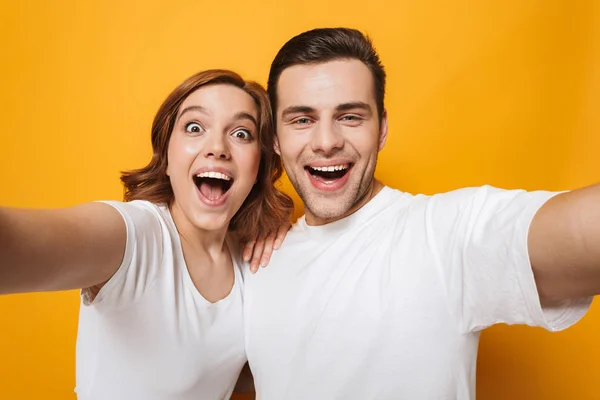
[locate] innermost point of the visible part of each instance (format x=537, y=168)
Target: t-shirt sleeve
x=141, y=260
x=479, y=236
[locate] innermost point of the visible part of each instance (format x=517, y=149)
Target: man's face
x=328, y=135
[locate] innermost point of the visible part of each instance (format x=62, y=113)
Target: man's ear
x=276, y=145
x=383, y=129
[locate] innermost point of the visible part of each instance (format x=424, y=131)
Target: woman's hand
x=258, y=252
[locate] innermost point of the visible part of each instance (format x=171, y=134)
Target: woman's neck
x=210, y=242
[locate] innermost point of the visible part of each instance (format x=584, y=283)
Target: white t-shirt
x=149, y=334
x=388, y=303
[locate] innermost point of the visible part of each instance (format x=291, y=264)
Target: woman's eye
x=193, y=127
x=242, y=134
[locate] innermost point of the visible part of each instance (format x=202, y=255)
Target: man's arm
x=44, y=250
x=564, y=245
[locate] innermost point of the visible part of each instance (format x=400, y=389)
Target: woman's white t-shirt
x=149, y=334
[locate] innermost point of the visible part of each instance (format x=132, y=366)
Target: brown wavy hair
x=265, y=209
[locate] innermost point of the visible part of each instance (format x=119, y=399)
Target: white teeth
x=331, y=168
x=213, y=174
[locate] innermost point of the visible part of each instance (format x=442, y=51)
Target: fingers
x=257, y=254
x=268, y=250
x=248, y=250
x=281, y=233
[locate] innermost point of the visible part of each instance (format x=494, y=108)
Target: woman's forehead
x=220, y=100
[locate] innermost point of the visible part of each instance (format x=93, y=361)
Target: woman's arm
x=60, y=249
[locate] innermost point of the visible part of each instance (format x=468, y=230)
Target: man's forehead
x=325, y=84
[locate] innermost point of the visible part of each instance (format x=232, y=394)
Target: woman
x=161, y=314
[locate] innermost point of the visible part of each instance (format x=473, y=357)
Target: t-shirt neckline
x=363, y=214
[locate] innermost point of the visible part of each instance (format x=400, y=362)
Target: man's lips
x=328, y=177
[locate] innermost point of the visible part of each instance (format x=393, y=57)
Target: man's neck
x=373, y=190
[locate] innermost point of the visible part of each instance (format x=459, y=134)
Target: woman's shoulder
x=143, y=214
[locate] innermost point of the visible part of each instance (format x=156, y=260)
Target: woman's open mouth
x=213, y=186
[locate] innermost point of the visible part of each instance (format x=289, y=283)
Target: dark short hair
x=328, y=44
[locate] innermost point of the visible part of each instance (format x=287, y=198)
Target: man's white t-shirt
x=388, y=303
x=149, y=334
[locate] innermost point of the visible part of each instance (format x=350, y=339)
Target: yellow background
x=505, y=92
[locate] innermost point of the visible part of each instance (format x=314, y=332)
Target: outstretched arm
x=60, y=249
x=564, y=245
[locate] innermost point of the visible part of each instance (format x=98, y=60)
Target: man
x=379, y=294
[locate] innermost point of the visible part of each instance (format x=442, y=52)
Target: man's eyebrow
x=247, y=116
x=297, y=110
x=353, y=106
x=339, y=108
x=190, y=109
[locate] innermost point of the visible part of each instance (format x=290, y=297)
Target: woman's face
x=213, y=155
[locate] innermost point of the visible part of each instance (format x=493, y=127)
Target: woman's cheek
x=191, y=148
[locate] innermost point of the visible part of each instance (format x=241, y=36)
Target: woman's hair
x=265, y=209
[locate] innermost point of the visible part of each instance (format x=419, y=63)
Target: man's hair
x=328, y=44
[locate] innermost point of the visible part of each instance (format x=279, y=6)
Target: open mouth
x=213, y=185
x=329, y=173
